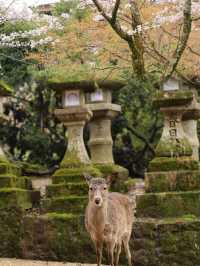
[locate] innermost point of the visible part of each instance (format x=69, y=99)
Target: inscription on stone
x=173, y=128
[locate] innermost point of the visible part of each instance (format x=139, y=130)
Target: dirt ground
x=14, y=262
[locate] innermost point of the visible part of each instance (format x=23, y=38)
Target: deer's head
x=98, y=189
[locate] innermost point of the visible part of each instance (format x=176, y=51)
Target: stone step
x=57, y=236
x=173, y=164
x=9, y=180
x=169, y=204
x=57, y=190
x=15, y=197
x=68, y=204
x=173, y=241
x=172, y=181
x=18, y=262
x=65, y=175
x=9, y=168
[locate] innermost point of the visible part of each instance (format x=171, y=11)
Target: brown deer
x=108, y=219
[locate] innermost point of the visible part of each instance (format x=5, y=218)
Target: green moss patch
x=56, y=190
x=10, y=232
x=175, y=98
x=57, y=237
x=173, y=164
x=170, y=204
x=64, y=175
x=31, y=169
x=13, y=181
x=173, y=148
x=107, y=169
x=172, y=181
x=70, y=204
x=71, y=160
x=166, y=242
x=15, y=197
x=9, y=168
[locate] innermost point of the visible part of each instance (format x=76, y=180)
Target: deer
x=108, y=219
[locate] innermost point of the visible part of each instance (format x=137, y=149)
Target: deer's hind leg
x=127, y=249
x=111, y=247
x=118, y=251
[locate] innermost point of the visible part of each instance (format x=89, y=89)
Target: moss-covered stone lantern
x=169, y=209
x=73, y=114
x=174, y=101
x=100, y=103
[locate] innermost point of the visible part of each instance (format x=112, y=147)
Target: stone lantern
x=74, y=114
x=174, y=101
x=100, y=103
x=172, y=184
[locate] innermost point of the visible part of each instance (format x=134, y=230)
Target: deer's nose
x=97, y=201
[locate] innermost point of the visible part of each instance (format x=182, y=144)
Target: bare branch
x=187, y=25
x=113, y=23
x=115, y=10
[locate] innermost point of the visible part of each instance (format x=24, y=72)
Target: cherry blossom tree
x=128, y=22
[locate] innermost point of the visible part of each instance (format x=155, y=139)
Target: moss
x=71, y=160
x=173, y=148
x=170, y=204
x=10, y=232
x=60, y=216
x=13, y=181
x=3, y=159
x=64, y=175
x=172, y=181
x=107, y=169
x=57, y=237
x=30, y=169
x=9, y=168
x=79, y=188
x=15, y=197
x=173, y=164
x=176, y=241
x=5, y=89
x=69, y=204
x=175, y=98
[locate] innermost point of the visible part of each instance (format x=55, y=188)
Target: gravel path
x=14, y=262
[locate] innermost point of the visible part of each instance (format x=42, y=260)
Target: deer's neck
x=99, y=217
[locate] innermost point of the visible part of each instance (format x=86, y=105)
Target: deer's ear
x=87, y=178
x=109, y=180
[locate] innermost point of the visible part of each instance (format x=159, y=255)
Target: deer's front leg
x=99, y=247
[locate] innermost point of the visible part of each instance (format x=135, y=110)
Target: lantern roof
x=5, y=89
x=86, y=85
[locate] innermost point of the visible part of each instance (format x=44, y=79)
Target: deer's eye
x=105, y=188
x=91, y=188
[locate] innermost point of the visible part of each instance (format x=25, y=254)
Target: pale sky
x=27, y=2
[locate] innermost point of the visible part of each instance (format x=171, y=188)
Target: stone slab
x=15, y=197
x=56, y=190
x=172, y=181
x=64, y=204
x=168, y=205
x=166, y=242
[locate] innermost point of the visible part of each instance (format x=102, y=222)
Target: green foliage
x=138, y=116
x=72, y=8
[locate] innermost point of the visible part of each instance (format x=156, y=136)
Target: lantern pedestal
x=170, y=208
x=101, y=142
x=74, y=118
